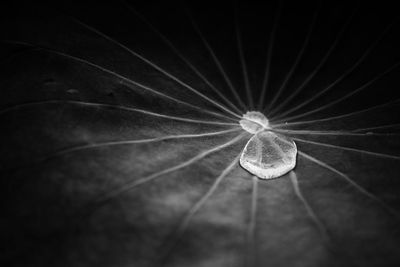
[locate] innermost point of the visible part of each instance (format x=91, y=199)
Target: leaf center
x=254, y=122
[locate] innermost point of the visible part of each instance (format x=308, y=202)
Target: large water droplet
x=268, y=155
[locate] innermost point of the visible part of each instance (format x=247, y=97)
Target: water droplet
x=254, y=122
x=268, y=155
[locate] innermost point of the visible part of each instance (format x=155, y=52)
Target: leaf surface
x=121, y=136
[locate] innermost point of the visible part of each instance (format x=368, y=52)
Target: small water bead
x=267, y=154
x=254, y=121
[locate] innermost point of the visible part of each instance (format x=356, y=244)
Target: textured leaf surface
x=118, y=151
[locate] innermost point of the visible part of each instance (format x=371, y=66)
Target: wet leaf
x=121, y=138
